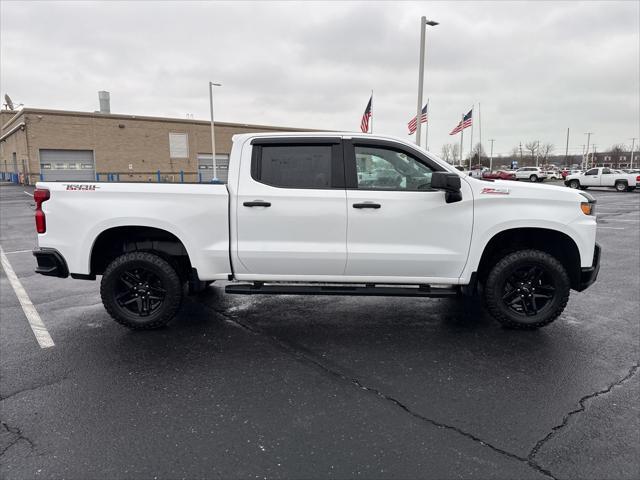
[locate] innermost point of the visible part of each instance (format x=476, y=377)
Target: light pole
x=213, y=133
x=491, y=156
x=423, y=26
x=633, y=144
x=585, y=160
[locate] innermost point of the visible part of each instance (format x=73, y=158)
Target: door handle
x=257, y=203
x=366, y=205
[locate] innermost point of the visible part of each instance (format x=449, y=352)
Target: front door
x=591, y=178
x=291, y=210
x=398, y=227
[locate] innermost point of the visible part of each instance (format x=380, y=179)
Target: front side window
x=380, y=168
x=295, y=166
x=593, y=171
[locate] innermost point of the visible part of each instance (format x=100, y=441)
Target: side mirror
x=450, y=183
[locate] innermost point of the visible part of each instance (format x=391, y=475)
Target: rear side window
x=294, y=166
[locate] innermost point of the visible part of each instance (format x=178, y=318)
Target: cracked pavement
x=316, y=387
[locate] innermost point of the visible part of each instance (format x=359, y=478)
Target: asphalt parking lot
x=317, y=387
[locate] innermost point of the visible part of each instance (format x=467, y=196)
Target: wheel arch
x=115, y=241
x=554, y=242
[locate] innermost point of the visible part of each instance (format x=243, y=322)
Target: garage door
x=205, y=167
x=67, y=165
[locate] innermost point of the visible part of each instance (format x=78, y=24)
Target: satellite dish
x=8, y=101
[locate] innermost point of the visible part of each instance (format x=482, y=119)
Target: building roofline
x=71, y=113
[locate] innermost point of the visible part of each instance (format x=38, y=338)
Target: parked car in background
x=566, y=172
x=478, y=171
x=533, y=174
x=603, y=177
x=553, y=175
x=500, y=175
x=461, y=169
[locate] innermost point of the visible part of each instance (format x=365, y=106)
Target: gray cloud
x=537, y=68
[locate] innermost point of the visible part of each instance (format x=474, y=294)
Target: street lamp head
x=432, y=23
x=215, y=84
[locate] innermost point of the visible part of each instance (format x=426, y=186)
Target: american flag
x=423, y=119
x=364, y=123
x=464, y=123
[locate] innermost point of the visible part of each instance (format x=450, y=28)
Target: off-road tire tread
x=172, y=302
x=491, y=301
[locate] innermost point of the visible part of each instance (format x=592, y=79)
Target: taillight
x=638, y=178
x=40, y=195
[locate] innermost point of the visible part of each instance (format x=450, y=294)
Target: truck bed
x=77, y=213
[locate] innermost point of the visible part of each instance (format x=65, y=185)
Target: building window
x=178, y=145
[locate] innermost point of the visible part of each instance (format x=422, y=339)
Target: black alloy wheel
x=528, y=290
x=140, y=291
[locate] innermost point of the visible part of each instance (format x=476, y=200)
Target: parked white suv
x=322, y=214
x=533, y=174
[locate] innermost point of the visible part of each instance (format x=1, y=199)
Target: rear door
x=608, y=178
x=291, y=210
x=399, y=228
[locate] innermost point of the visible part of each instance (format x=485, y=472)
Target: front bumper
x=588, y=275
x=50, y=263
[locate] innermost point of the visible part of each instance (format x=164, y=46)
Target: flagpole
x=371, y=111
x=426, y=128
x=480, y=135
x=461, y=138
x=471, y=142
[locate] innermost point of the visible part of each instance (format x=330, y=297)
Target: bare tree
x=445, y=152
x=546, y=150
x=450, y=152
x=455, y=152
x=532, y=148
x=477, y=152
x=618, y=148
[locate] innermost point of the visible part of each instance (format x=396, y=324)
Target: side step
x=368, y=290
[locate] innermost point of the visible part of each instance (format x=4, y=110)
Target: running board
x=369, y=290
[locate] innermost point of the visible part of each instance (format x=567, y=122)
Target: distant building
x=62, y=145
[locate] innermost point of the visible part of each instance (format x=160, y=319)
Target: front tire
x=575, y=184
x=527, y=289
x=141, y=290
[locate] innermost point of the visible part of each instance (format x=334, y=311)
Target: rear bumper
x=588, y=275
x=50, y=263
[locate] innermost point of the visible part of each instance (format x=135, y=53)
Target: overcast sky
x=536, y=68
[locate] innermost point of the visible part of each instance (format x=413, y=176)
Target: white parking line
x=35, y=322
x=612, y=228
x=27, y=193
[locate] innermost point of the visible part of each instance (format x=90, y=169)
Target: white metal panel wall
x=67, y=165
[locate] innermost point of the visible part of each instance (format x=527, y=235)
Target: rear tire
x=527, y=289
x=141, y=290
x=533, y=178
x=621, y=186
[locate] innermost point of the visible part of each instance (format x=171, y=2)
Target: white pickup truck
x=322, y=214
x=603, y=177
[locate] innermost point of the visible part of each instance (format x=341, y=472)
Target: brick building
x=63, y=145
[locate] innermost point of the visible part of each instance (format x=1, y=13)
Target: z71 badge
x=80, y=186
x=495, y=191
